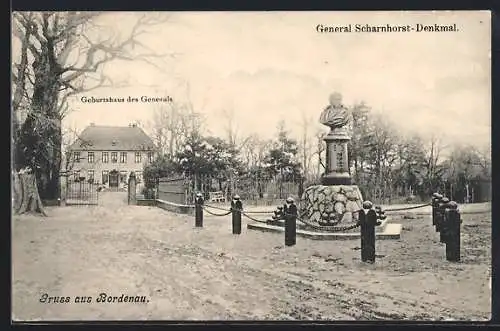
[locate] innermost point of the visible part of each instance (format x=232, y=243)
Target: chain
x=260, y=212
x=408, y=208
x=215, y=207
x=214, y=214
x=300, y=218
x=252, y=218
x=327, y=228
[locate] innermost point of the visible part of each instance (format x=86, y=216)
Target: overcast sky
x=273, y=65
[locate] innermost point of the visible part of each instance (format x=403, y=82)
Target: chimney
x=134, y=125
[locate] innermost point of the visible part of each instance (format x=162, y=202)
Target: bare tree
x=433, y=166
x=319, y=151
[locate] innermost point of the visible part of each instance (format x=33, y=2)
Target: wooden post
x=198, y=212
x=236, y=208
x=453, y=221
x=290, y=212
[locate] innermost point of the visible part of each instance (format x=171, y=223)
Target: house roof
x=112, y=138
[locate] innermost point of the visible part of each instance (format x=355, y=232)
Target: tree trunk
x=26, y=197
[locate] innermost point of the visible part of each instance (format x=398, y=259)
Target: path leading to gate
x=190, y=273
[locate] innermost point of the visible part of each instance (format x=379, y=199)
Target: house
x=106, y=155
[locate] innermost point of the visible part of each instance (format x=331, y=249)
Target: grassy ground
x=208, y=273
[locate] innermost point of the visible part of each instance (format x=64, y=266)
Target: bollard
x=442, y=220
x=236, y=208
x=198, y=211
x=368, y=219
x=290, y=212
x=440, y=213
x=453, y=222
x=436, y=199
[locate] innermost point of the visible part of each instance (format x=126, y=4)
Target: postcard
x=258, y=166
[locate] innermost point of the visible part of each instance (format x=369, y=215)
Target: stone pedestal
x=337, y=163
x=331, y=203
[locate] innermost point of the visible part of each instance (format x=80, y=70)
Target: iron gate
x=82, y=193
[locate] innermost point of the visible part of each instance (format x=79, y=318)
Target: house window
x=90, y=157
x=114, y=157
x=123, y=157
x=90, y=175
x=76, y=157
x=150, y=157
x=105, y=177
x=138, y=157
x=105, y=157
x=123, y=176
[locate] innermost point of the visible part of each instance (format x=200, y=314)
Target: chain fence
x=301, y=218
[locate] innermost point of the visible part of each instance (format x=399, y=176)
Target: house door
x=113, y=178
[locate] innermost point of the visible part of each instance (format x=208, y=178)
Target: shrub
x=148, y=193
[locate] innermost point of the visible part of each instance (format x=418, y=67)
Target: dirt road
x=189, y=273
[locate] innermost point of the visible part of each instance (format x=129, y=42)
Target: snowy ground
x=190, y=273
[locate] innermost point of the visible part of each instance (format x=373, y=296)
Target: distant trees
x=388, y=166
x=282, y=159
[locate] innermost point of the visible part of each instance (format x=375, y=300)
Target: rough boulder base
x=331, y=204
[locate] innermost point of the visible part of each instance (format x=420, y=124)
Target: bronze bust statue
x=335, y=115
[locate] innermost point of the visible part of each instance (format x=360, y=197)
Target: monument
x=337, y=118
x=336, y=200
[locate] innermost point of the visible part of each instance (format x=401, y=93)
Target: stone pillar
x=63, y=188
x=337, y=163
x=132, y=198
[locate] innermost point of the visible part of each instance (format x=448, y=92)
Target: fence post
x=436, y=199
x=368, y=219
x=236, y=208
x=198, y=211
x=290, y=212
x=453, y=222
x=132, y=199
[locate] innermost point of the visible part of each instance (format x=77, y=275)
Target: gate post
x=198, y=211
x=236, y=208
x=63, y=189
x=132, y=198
x=453, y=221
x=290, y=212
